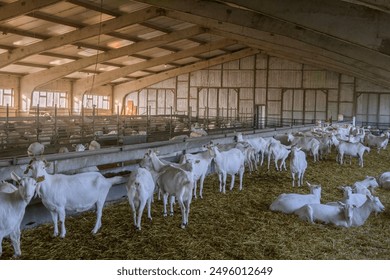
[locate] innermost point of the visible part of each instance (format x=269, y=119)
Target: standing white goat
x=12, y=208
x=298, y=165
x=279, y=152
x=201, y=163
x=79, y=192
x=140, y=188
x=228, y=162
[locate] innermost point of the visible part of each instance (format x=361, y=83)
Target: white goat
x=279, y=152
x=290, y=202
x=63, y=150
x=178, y=182
x=197, y=132
x=261, y=146
x=12, y=208
x=35, y=149
x=384, y=180
x=353, y=150
x=7, y=187
x=140, y=189
x=298, y=165
x=380, y=142
x=361, y=214
x=201, y=163
x=230, y=162
x=339, y=215
x=363, y=186
x=156, y=167
x=79, y=147
x=94, y=145
x=79, y=192
x=308, y=144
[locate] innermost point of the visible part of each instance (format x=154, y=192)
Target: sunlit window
x=101, y=102
x=47, y=99
x=6, y=97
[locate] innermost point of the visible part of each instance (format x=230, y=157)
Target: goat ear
x=15, y=177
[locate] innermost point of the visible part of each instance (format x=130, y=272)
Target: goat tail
x=116, y=180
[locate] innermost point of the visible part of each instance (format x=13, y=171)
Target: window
x=6, y=97
x=47, y=99
x=101, y=102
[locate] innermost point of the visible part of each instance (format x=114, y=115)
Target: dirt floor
x=235, y=225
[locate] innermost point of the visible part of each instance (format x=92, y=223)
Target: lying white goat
x=361, y=214
x=384, y=180
x=79, y=192
x=12, y=208
x=339, y=215
x=140, y=189
x=290, y=202
x=364, y=186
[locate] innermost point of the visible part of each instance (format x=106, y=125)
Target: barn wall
x=289, y=92
x=283, y=90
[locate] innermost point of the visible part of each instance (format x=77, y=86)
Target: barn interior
x=129, y=68
x=133, y=74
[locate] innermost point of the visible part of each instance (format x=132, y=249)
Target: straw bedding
x=237, y=225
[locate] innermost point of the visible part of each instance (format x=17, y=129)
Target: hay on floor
x=237, y=225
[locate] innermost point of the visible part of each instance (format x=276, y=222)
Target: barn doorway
x=260, y=116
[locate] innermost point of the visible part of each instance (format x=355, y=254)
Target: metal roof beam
x=74, y=36
x=22, y=7
x=83, y=84
x=29, y=82
x=278, y=33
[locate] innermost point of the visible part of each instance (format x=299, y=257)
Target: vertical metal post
x=7, y=124
x=82, y=120
x=117, y=124
x=189, y=118
x=170, y=123
x=93, y=120
x=37, y=122
x=55, y=126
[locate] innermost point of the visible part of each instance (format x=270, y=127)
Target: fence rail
x=55, y=131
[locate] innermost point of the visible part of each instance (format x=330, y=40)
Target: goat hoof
x=184, y=225
x=171, y=214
